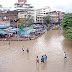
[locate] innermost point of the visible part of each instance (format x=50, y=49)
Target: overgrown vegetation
x=67, y=25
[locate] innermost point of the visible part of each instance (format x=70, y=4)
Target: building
x=56, y=16
x=43, y=11
x=40, y=13
x=9, y=15
x=24, y=10
x=39, y=19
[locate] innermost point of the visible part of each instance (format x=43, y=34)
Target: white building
x=43, y=11
x=56, y=16
x=26, y=9
x=40, y=13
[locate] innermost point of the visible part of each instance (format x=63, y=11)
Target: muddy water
x=52, y=43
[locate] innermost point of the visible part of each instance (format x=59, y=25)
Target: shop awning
x=3, y=32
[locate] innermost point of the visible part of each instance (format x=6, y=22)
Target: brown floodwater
x=52, y=43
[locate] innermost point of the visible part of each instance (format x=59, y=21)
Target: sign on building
x=21, y=15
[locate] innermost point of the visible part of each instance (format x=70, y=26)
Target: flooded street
x=52, y=43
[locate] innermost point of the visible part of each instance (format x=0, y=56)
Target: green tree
x=67, y=21
x=47, y=20
x=22, y=25
x=69, y=33
x=67, y=25
x=30, y=20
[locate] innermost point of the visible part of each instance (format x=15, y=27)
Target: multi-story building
x=56, y=16
x=40, y=13
x=43, y=11
x=39, y=19
x=6, y=16
x=9, y=15
x=24, y=10
x=21, y=11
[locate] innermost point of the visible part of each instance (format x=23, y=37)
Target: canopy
x=12, y=31
x=22, y=31
x=27, y=35
x=3, y=32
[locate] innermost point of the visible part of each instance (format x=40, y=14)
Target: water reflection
x=37, y=68
x=28, y=57
x=65, y=63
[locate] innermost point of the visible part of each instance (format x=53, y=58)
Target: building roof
x=44, y=8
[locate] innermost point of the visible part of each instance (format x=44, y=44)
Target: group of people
x=26, y=50
x=43, y=59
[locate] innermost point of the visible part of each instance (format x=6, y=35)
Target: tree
x=69, y=33
x=28, y=22
x=47, y=20
x=67, y=25
x=67, y=21
x=22, y=25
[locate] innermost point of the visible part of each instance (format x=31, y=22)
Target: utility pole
x=17, y=30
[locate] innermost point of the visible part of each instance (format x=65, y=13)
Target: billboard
x=4, y=24
x=22, y=0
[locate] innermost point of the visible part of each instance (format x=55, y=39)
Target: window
x=46, y=13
